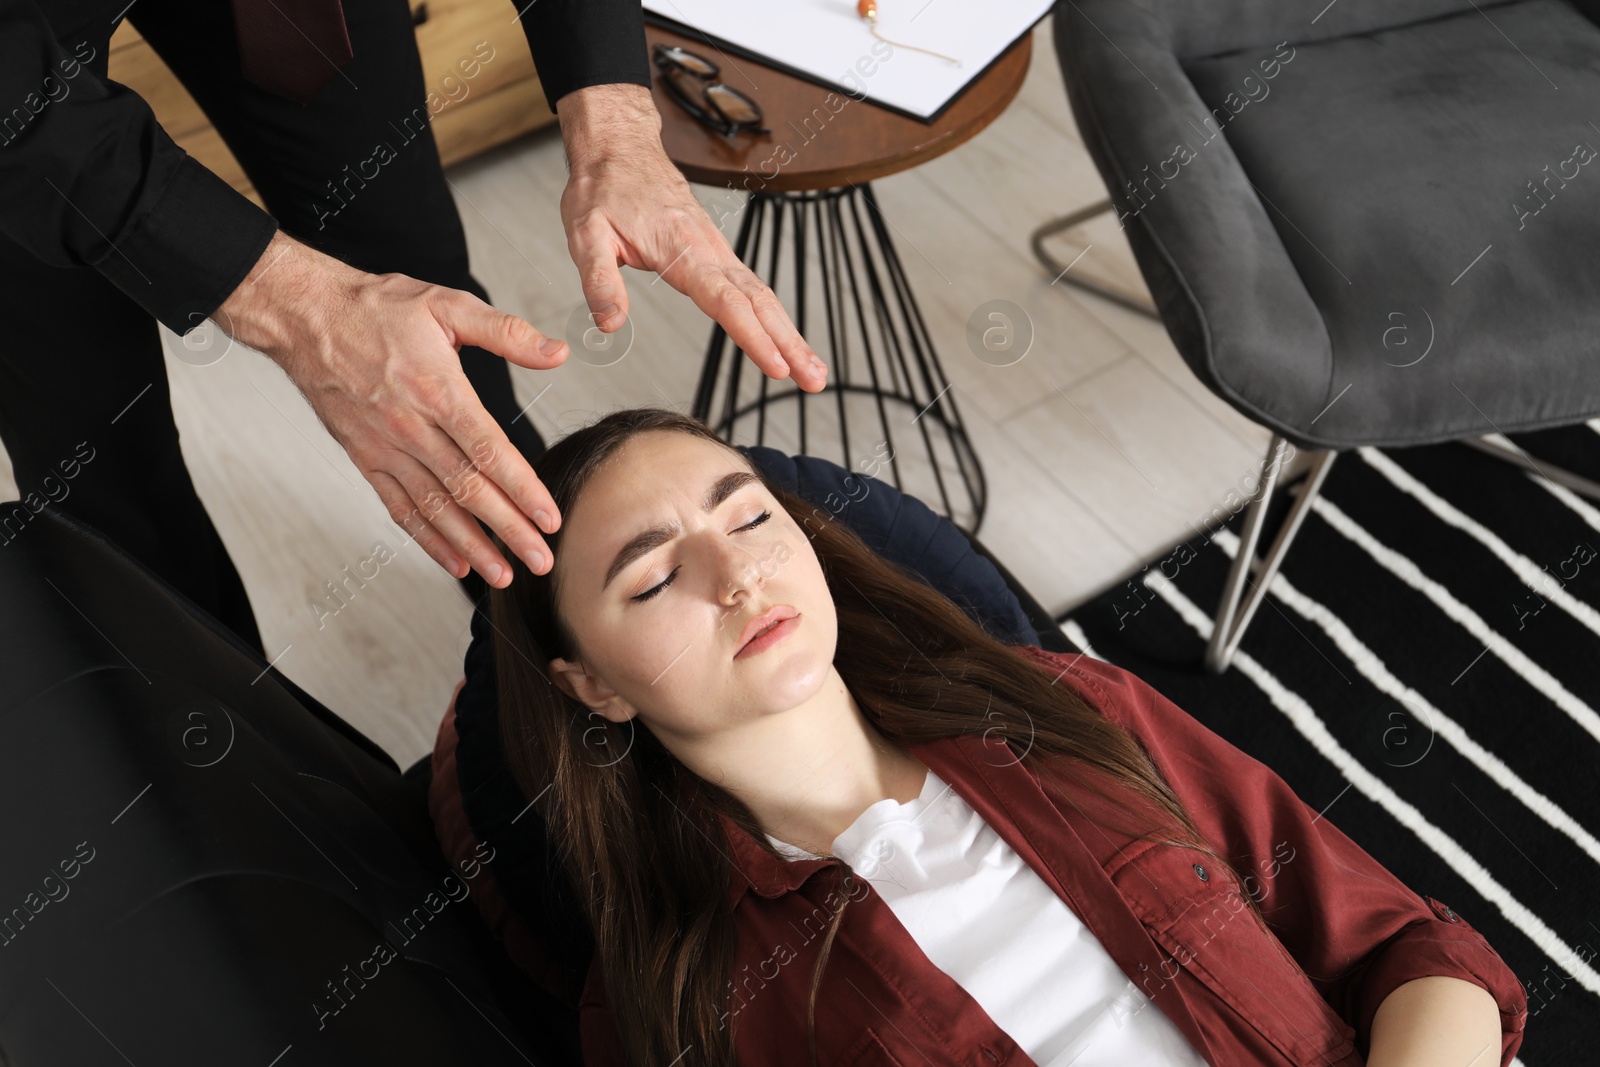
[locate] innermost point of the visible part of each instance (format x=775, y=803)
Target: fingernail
x=537, y=562
x=493, y=572
x=541, y=517
x=604, y=311
x=549, y=346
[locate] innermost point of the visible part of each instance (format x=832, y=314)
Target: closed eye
x=653, y=592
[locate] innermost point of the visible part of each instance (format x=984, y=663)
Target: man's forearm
x=88, y=178
x=1436, y=1020
x=603, y=122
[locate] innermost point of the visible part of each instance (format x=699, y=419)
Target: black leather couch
x=203, y=864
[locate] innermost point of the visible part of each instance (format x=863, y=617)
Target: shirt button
x=1452, y=916
x=989, y=1052
x=1201, y=871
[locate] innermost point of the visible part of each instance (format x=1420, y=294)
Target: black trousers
x=81, y=362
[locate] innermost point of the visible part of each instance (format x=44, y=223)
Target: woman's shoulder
x=1171, y=735
x=1109, y=689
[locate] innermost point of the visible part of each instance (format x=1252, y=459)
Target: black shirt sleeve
x=89, y=178
x=578, y=43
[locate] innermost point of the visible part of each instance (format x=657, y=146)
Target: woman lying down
x=818, y=815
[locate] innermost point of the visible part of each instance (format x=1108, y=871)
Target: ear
x=587, y=689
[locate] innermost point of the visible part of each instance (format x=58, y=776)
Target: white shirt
x=986, y=918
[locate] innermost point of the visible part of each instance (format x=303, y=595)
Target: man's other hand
x=377, y=357
x=625, y=202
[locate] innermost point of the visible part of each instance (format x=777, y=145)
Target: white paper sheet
x=827, y=41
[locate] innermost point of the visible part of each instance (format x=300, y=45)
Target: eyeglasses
x=690, y=79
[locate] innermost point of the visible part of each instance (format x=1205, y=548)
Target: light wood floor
x=1101, y=447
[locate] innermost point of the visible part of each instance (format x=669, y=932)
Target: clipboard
x=857, y=64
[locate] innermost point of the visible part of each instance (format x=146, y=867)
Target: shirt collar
x=754, y=868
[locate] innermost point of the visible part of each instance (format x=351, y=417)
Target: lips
x=761, y=622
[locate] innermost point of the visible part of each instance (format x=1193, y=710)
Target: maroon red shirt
x=1347, y=931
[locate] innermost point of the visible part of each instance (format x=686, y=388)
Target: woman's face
x=659, y=623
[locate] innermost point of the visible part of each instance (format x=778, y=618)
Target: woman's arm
x=1436, y=1022
x=1357, y=931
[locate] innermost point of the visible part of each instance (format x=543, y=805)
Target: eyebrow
x=661, y=533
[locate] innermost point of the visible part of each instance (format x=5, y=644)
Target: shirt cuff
x=579, y=43
x=619, y=76
x=1449, y=946
x=191, y=250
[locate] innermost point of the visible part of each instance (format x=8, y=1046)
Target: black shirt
x=89, y=178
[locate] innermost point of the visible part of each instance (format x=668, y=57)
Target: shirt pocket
x=1197, y=914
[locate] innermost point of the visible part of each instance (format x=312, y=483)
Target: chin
x=793, y=676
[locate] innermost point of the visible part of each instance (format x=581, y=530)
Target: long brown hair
x=637, y=832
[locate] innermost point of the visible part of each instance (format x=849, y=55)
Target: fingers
x=780, y=329
x=602, y=283
x=501, y=487
x=755, y=319
x=471, y=321
x=460, y=465
x=413, y=516
x=497, y=485
x=438, y=514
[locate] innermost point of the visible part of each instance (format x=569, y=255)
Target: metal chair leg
x=1235, y=610
x=1231, y=619
x=1058, y=271
x=1502, y=448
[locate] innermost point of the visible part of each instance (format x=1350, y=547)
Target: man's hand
x=377, y=357
x=626, y=202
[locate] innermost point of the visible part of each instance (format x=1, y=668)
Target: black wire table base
x=886, y=387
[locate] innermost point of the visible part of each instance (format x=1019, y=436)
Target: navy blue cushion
x=904, y=530
x=900, y=527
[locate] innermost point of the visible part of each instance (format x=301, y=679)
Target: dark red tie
x=291, y=47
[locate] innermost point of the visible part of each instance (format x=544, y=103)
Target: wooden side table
x=812, y=173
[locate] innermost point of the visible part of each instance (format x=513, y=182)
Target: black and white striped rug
x=1426, y=669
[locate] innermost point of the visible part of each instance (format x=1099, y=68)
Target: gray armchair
x=1363, y=222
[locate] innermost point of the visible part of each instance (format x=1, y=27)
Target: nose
x=740, y=573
